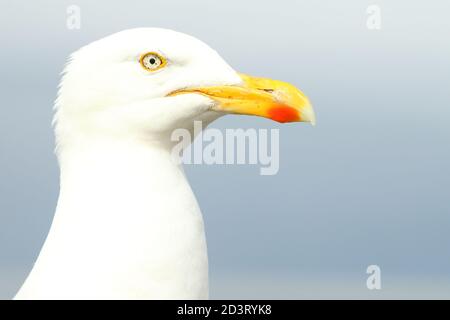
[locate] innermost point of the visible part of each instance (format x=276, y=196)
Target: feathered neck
x=127, y=225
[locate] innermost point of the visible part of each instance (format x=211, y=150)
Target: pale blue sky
x=368, y=185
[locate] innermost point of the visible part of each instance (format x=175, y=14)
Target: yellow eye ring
x=152, y=61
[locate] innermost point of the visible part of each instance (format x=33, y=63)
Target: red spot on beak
x=284, y=114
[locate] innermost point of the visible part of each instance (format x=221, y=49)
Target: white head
x=151, y=81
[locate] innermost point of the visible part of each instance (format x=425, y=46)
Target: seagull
x=127, y=224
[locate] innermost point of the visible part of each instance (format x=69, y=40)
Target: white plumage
x=127, y=225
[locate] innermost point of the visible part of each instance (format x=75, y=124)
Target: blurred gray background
x=368, y=185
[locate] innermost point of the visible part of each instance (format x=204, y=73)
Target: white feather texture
x=127, y=225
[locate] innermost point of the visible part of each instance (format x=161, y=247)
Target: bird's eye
x=152, y=61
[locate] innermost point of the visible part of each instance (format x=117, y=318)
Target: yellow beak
x=273, y=99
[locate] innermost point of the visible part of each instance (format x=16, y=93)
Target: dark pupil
x=152, y=60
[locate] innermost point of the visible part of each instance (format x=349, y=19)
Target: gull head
x=150, y=81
